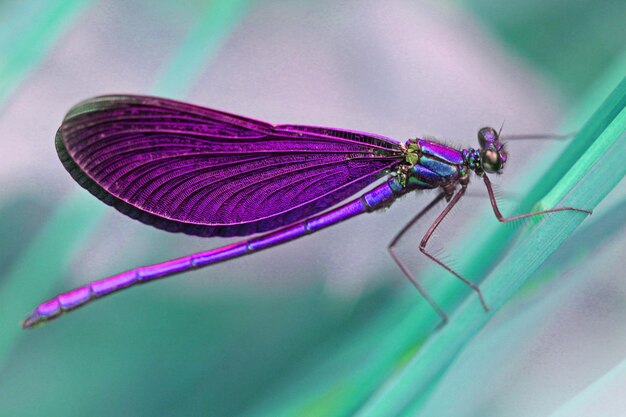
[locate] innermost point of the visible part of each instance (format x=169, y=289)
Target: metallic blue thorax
x=433, y=164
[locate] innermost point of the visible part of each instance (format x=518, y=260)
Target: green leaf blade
x=598, y=169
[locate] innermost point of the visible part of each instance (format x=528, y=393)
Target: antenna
x=542, y=136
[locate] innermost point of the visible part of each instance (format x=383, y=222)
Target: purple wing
x=185, y=168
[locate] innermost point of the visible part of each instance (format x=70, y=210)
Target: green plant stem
x=599, y=168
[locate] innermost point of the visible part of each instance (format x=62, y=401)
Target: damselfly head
x=492, y=151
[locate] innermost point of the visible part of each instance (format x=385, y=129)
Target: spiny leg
x=432, y=229
x=392, y=251
x=501, y=218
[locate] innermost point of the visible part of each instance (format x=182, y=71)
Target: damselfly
x=185, y=168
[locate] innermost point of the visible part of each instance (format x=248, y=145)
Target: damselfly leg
x=422, y=247
x=392, y=251
x=455, y=199
x=503, y=219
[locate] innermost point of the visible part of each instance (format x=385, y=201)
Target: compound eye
x=486, y=136
x=492, y=160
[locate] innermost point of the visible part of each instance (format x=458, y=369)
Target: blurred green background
x=323, y=326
